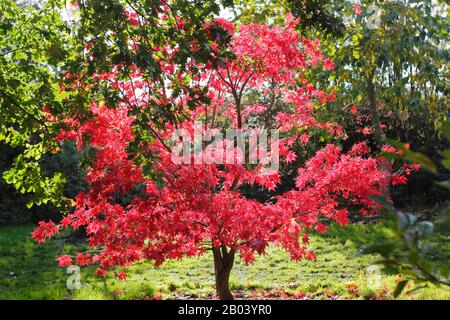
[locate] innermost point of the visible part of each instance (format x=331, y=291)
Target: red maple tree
x=179, y=210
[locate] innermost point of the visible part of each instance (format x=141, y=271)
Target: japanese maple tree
x=185, y=209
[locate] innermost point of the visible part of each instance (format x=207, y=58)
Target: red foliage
x=357, y=8
x=44, y=230
x=191, y=204
x=353, y=290
x=64, y=261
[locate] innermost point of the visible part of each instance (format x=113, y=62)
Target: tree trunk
x=223, y=263
x=376, y=123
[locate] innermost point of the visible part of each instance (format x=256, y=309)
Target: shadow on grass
x=29, y=270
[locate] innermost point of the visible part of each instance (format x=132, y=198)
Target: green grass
x=336, y=268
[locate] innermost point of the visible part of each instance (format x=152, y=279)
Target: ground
x=29, y=271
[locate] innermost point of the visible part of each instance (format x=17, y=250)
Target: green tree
x=393, y=64
x=33, y=47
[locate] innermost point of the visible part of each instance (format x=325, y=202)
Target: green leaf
x=408, y=155
x=446, y=128
x=446, y=163
x=383, y=201
x=444, y=184
x=399, y=289
x=423, y=160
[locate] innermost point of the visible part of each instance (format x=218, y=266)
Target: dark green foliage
x=318, y=15
x=14, y=207
x=417, y=249
x=315, y=15
x=422, y=190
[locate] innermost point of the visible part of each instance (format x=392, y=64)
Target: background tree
x=396, y=67
x=33, y=47
x=390, y=76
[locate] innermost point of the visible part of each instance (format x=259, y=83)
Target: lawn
x=29, y=271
